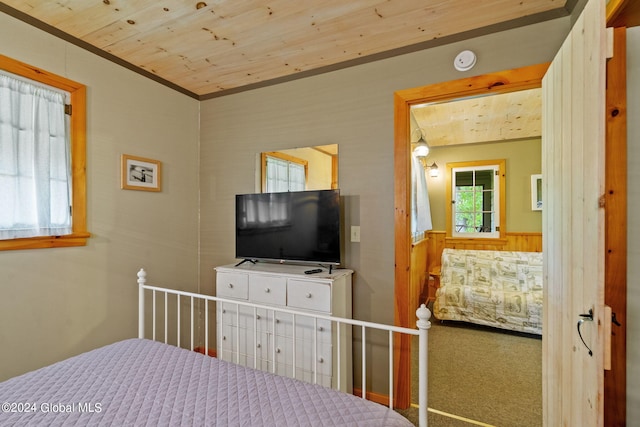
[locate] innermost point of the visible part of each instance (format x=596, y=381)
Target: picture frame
x=536, y=192
x=140, y=173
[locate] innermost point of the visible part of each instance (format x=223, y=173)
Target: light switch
x=355, y=233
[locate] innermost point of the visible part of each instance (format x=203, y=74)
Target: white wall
x=633, y=226
x=60, y=302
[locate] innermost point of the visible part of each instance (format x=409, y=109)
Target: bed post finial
x=142, y=279
x=423, y=323
x=423, y=314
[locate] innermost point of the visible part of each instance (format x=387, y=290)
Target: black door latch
x=585, y=317
x=614, y=320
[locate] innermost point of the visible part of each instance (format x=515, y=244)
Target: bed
x=141, y=381
x=502, y=289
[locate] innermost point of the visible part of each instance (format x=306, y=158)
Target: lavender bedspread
x=145, y=383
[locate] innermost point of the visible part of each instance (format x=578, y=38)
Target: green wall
x=523, y=159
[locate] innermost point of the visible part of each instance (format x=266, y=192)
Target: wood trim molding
x=209, y=351
x=382, y=399
x=499, y=82
x=78, y=94
x=615, y=290
x=623, y=13
x=281, y=156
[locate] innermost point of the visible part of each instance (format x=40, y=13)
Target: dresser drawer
x=309, y=295
x=232, y=285
x=268, y=290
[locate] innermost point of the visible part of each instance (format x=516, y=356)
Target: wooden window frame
x=79, y=234
x=286, y=157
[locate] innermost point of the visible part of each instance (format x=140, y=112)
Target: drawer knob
x=321, y=328
x=258, y=345
x=230, y=285
x=267, y=290
x=277, y=350
x=277, y=320
x=320, y=360
x=308, y=295
x=224, y=338
x=258, y=316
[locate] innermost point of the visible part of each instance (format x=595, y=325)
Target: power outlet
x=355, y=233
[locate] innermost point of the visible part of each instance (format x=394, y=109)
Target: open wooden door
x=573, y=152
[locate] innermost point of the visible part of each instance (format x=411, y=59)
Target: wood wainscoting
x=419, y=278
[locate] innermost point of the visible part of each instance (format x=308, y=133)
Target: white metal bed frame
x=423, y=324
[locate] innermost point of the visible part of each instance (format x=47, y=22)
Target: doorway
x=614, y=199
x=574, y=87
x=496, y=83
x=501, y=82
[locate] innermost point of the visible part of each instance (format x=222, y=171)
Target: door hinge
x=67, y=109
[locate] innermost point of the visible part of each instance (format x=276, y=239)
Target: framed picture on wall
x=536, y=192
x=139, y=173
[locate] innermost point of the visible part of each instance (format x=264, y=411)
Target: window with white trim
x=477, y=205
x=42, y=159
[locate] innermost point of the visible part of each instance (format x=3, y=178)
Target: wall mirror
x=298, y=169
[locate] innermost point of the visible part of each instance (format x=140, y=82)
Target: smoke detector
x=465, y=60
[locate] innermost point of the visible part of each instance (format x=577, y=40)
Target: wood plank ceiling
x=215, y=47
x=500, y=117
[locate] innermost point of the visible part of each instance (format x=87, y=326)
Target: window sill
x=75, y=239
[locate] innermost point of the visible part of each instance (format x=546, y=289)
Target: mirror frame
x=285, y=153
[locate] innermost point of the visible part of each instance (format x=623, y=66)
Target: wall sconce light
x=433, y=170
x=420, y=147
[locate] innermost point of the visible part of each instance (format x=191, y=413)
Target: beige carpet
x=482, y=374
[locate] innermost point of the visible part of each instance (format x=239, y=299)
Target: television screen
x=300, y=226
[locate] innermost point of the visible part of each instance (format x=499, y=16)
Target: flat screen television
x=298, y=226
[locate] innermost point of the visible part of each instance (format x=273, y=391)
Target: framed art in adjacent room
x=139, y=173
x=536, y=192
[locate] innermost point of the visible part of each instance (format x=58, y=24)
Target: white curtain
x=297, y=178
x=35, y=193
x=283, y=175
x=420, y=207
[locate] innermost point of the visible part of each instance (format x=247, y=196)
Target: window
x=281, y=172
x=58, y=218
x=477, y=199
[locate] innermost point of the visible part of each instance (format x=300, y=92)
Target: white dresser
x=241, y=335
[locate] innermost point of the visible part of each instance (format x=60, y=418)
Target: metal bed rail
x=423, y=324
